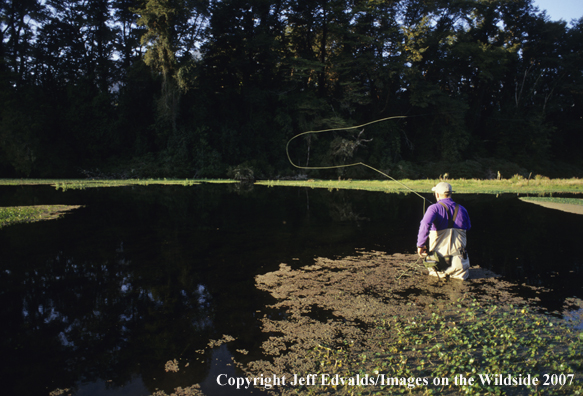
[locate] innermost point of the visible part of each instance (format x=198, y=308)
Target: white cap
x=442, y=187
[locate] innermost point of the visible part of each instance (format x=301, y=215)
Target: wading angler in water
x=445, y=224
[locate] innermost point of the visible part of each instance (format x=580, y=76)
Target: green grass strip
x=81, y=184
x=29, y=214
x=569, y=201
x=18, y=215
x=460, y=186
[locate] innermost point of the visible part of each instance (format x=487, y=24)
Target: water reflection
x=221, y=364
x=134, y=387
x=101, y=299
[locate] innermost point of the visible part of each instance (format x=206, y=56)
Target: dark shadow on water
x=134, y=387
x=224, y=380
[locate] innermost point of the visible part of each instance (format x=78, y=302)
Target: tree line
x=215, y=88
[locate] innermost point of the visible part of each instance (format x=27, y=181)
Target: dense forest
x=216, y=88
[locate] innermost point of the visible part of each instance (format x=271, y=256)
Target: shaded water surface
x=100, y=300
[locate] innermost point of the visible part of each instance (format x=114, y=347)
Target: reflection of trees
x=343, y=211
x=340, y=207
x=100, y=319
x=82, y=306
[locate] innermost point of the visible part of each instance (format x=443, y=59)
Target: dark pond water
x=99, y=300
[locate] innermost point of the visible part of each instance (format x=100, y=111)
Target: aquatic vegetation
x=388, y=334
x=27, y=214
x=475, y=350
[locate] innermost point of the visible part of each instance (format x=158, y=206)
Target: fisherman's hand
x=422, y=251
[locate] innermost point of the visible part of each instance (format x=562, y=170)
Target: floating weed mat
x=377, y=324
x=475, y=350
x=27, y=214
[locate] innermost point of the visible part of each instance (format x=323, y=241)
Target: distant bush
x=479, y=168
x=242, y=172
x=516, y=178
x=405, y=170
x=455, y=170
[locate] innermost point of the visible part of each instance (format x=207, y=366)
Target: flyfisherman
x=445, y=225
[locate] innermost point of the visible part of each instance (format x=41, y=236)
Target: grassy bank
x=567, y=201
x=460, y=186
x=571, y=205
x=81, y=184
x=29, y=214
x=516, y=184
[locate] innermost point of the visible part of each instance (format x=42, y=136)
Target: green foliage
x=472, y=341
x=18, y=215
x=460, y=186
x=243, y=172
x=207, y=161
x=26, y=214
x=18, y=138
x=85, y=83
x=569, y=201
x=404, y=170
x=158, y=16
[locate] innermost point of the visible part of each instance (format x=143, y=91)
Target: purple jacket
x=436, y=219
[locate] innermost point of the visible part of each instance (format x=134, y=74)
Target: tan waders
x=448, y=251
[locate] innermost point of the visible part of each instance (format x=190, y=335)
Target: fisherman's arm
x=424, y=228
x=466, y=224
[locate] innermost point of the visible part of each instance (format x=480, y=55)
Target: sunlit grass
x=28, y=214
x=460, y=186
x=81, y=184
x=569, y=201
